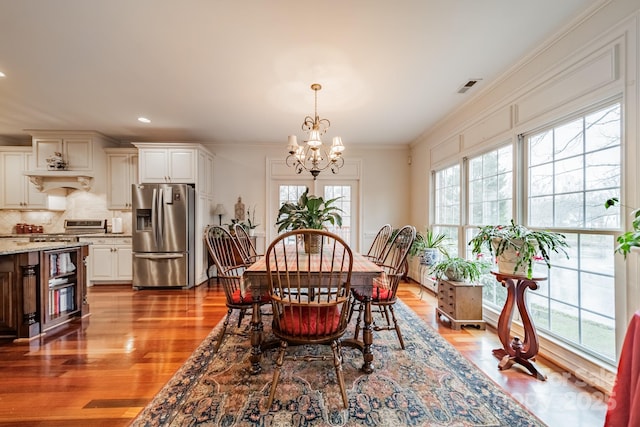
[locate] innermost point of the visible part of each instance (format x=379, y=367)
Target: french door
x=346, y=191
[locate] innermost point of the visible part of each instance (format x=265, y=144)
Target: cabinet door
x=101, y=266
x=124, y=267
x=153, y=166
x=43, y=148
x=182, y=166
x=122, y=171
x=78, y=153
x=17, y=191
x=205, y=174
x=34, y=198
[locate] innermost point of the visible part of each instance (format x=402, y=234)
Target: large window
x=490, y=186
x=447, y=206
x=569, y=170
x=573, y=168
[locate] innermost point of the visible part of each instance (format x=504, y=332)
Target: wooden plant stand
x=516, y=350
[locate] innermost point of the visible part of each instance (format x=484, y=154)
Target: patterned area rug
x=428, y=384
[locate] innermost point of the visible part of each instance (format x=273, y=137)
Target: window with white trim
x=447, y=206
x=573, y=168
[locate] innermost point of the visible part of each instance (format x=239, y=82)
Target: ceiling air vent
x=468, y=85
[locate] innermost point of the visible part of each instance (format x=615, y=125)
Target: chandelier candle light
x=312, y=156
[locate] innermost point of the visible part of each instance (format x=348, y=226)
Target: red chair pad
x=377, y=294
x=310, y=321
x=239, y=298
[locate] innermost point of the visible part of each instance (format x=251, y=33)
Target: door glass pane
x=343, y=193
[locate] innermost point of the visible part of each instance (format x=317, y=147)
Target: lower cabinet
x=460, y=303
x=109, y=260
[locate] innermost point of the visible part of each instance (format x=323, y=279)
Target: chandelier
x=312, y=156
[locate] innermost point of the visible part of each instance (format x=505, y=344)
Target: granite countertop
x=26, y=236
x=9, y=248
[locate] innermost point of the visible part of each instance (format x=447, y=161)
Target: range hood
x=49, y=180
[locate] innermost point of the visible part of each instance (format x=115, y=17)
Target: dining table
x=255, y=280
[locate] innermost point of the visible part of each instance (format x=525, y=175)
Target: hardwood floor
x=104, y=370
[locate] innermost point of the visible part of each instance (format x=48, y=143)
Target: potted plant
x=516, y=247
x=459, y=269
x=308, y=212
x=429, y=246
x=630, y=239
x=251, y=223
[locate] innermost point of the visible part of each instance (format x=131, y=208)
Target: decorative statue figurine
x=239, y=210
x=56, y=162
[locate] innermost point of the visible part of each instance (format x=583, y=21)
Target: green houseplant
x=308, y=212
x=429, y=246
x=516, y=247
x=629, y=239
x=459, y=269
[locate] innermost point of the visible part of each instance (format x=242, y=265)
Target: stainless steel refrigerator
x=163, y=235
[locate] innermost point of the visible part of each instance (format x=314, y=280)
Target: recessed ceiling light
x=144, y=120
x=2, y=74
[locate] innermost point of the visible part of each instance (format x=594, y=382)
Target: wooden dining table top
x=362, y=273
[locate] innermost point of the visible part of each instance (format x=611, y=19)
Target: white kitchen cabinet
x=205, y=173
x=168, y=165
x=76, y=151
x=17, y=192
x=110, y=260
x=122, y=172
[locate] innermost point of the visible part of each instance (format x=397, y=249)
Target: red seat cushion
x=239, y=298
x=377, y=294
x=310, y=320
x=380, y=291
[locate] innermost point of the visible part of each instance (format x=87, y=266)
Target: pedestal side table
x=516, y=350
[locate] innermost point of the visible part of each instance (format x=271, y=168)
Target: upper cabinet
x=168, y=165
x=122, y=172
x=82, y=152
x=17, y=192
x=184, y=163
x=76, y=151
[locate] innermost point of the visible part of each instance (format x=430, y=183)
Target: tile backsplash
x=80, y=205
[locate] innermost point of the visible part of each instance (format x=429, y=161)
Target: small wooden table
x=362, y=275
x=516, y=350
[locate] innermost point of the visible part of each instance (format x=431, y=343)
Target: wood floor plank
x=103, y=370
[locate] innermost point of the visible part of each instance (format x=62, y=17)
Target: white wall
x=241, y=170
x=594, y=60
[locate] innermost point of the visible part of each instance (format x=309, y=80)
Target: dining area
x=305, y=290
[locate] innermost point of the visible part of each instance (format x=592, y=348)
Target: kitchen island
x=42, y=286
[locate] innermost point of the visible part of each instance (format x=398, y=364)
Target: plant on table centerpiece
x=629, y=239
x=308, y=212
x=459, y=269
x=516, y=247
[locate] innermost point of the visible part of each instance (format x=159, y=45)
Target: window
x=343, y=193
x=447, y=206
x=290, y=193
x=573, y=168
x=570, y=169
x=490, y=186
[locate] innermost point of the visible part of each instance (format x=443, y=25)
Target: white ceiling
x=240, y=71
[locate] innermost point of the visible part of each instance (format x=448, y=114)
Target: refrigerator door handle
x=160, y=214
x=154, y=215
x=158, y=256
